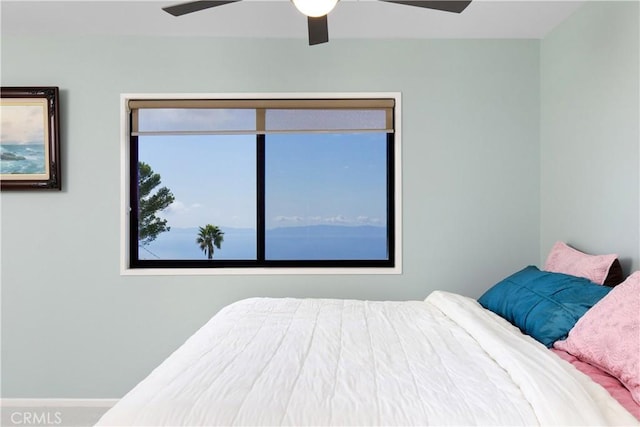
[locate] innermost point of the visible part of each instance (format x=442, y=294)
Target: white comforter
x=444, y=361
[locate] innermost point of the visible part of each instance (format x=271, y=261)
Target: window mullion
x=391, y=226
x=134, y=201
x=260, y=195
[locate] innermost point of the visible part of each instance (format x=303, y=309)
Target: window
x=219, y=184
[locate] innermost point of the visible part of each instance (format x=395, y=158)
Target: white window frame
x=125, y=269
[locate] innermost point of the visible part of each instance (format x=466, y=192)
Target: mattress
x=442, y=361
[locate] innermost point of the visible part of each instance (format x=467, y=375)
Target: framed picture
x=30, y=138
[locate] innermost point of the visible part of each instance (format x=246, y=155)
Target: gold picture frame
x=30, y=138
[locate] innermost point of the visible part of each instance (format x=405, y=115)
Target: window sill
x=256, y=271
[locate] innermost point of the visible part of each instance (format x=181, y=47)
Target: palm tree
x=208, y=237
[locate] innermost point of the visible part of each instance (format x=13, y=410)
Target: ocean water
x=29, y=158
x=287, y=243
x=326, y=242
x=180, y=243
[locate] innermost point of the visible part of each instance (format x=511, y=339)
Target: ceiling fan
x=317, y=10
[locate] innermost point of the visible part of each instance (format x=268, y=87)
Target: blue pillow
x=542, y=304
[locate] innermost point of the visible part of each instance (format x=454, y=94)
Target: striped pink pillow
x=608, y=335
x=565, y=259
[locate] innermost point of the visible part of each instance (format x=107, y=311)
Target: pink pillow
x=565, y=259
x=608, y=335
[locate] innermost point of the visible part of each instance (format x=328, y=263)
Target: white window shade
x=195, y=120
x=167, y=117
x=312, y=120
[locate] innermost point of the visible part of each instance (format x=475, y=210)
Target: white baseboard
x=57, y=402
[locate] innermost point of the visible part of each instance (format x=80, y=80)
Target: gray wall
x=590, y=139
x=73, y=327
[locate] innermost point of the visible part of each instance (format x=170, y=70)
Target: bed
x=447, y=360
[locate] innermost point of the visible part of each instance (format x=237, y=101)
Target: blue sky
x=326, y=179
x=212, y=178
x=311, y=179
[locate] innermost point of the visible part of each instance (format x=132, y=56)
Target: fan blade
x=318, y=30
x=194, y=6
x=456, y=6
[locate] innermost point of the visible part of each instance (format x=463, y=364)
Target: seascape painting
x=29, y=138
x=24, y=139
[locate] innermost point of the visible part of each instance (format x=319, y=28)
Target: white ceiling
x=280, y=19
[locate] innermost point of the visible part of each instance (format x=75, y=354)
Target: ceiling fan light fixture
x=315, y=8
